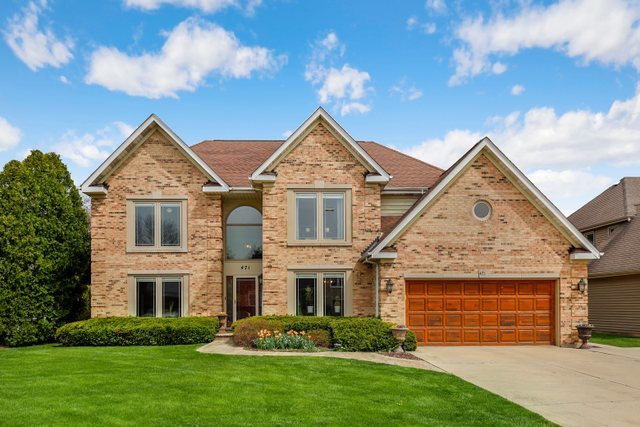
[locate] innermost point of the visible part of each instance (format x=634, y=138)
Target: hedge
x=349, y=333
x=124, y=331
x=410, y=342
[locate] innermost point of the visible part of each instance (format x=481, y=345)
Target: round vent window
x=482, y=210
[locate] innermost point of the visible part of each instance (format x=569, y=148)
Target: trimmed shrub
x=410, y=342
x=320, y=337
x=245, y=331
x=363, y=334
x=124, y=331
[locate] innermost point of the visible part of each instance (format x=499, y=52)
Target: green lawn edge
x=176, y=385
x=615, y=340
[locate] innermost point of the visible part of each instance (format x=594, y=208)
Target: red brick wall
x=156, y=168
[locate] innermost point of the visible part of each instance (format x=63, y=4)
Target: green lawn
x=616, y=340
x=178, y=386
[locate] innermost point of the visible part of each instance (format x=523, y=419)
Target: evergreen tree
x=44, y=249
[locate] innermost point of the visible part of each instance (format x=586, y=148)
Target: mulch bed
x=405, y=355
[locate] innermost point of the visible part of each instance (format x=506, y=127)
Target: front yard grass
x=175, y=385
x=615, y=340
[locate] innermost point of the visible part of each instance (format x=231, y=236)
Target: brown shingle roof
x=616, y=203
x=235, y=160
x=621, y=254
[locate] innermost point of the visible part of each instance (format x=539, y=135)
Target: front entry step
x=224, y=334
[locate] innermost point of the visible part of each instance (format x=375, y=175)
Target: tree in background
x=44, y=249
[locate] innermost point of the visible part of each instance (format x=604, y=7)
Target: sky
x=554, y=84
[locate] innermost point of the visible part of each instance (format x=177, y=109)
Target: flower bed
x=276, y=340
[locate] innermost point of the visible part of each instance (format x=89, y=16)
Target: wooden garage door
x=481, y=312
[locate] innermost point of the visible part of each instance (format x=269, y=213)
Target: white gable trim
x=352, y=145
x=558, y=219
x=89, y=185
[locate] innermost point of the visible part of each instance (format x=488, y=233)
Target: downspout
x=377, y=268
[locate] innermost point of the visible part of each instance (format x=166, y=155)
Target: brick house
x=321, y=224
x=611, y=221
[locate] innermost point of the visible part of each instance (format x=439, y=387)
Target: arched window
x=244, y=233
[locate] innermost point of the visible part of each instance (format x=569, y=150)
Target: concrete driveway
x=598, y=387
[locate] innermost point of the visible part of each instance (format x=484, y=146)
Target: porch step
x=225, y=334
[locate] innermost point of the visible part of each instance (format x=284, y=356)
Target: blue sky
x=554, y=84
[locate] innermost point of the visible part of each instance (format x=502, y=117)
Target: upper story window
x=611, y=230
x=591, y=237
x=319, y=217
x=157, y=226
x=244, y=234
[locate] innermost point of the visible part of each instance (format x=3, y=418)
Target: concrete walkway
x=598, y=387
x=225, y=346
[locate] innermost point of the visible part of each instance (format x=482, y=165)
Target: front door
x=245, y=297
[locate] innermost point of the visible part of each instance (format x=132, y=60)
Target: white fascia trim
x=384, y=255
x=265, y=177
x=214, y=189
x=584, y=255
x=487, y=144
x=189, y=153
x=408, y=190
x=376, y=179
x=319, y=113
x=94, y=190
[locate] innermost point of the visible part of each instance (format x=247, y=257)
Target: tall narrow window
x=306, y=220
x=244, y=234
x=146, y=297
x=306, y=294
x=171, y=297
x=145, y=224
x=333, y=216
x=170, y=224
x=333, y=287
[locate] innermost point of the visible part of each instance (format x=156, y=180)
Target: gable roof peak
x=321, y=115
x=94, y=184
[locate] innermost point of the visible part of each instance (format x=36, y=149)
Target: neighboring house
x=321, y=224
x=611, y=221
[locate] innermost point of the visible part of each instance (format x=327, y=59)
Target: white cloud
x=607, y=32
x=517, y=90
x=193, y=50
x=569, y=188
x=544, y=143
x=89, y=148
x=35, y=46
x=65, y=80
x=436, y=6
x=10, y=135
x=207, y=6
x=405, y=92
x=498, y=68
x=428, y=28
x=344, y=87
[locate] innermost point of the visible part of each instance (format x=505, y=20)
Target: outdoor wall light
x=582, y=285
x=389, y=284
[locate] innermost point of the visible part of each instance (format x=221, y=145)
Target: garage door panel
x=435, y=304
x=453, y=320
x=416, y=320
x=417, y=304
x=476, y=312
x=508, y=304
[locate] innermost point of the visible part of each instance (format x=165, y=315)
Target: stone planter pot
x=584, y=333
x=400, y=334
x=222, y=318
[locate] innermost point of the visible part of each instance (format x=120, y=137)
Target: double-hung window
x=157, y=226
x=320, y=217
x=320, y=294
x=154, y=296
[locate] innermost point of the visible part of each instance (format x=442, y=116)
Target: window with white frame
x=320, y=294
x=159, y=296
x=320, y=217
x=157, y=225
